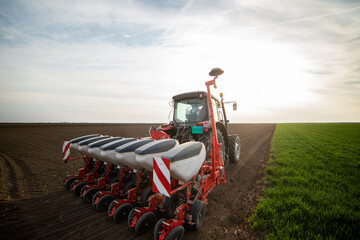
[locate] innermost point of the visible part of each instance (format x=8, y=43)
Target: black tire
x=235, y=148
x=101, y=175
x=198, y=212
x=144, y=223
x=78, y=188
x=177, y=233
x=104, y=202
x=69, y=182
x=146, y=193
x=129, y=185
x=73, y=184
x=158, y=228
x=131, y=217
x=110, y=207
x=122, y=212
x=83, y=189
x=94, y=199
x=170, y=205
x=115, y=179
x=64, y=179
x=87, y=198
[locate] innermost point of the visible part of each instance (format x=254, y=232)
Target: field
x=35, y=205
x=313, y=183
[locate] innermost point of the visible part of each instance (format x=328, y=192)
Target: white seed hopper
x=146, y=153
x=186, y=160
x=126, y=153
x=107, y=151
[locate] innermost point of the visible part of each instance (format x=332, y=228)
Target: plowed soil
x=35, y=205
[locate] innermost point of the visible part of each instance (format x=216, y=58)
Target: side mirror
x=235, y=106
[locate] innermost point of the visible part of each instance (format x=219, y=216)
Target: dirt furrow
x=49, y=211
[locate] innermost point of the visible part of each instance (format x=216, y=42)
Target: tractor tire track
x=12, y=175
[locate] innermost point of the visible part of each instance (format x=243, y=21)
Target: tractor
x=192, y=122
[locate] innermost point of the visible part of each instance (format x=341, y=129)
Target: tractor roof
x=197, y=94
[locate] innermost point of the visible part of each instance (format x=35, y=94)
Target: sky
x=122, y=61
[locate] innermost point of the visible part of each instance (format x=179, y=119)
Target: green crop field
x=312, y=183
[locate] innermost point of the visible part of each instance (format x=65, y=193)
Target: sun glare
x=264, y=74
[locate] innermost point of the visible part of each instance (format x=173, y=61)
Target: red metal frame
x=90, y=177
x=116, y=188
x=134, y=193
x=158, y=135
x=82, y=171
x=103, y=182
x=215, y=151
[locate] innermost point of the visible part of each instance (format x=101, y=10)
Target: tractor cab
x=190, y=108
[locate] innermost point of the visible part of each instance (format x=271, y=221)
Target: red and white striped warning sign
x=66, y=150
x=161, y=176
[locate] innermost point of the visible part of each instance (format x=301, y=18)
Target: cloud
x=138, y=54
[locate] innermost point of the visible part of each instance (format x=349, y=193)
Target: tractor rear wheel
x=122, y=212
x=144, y=223
x=235, y=145
x=198, y=212
x=177, y=233
x=104, y=202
